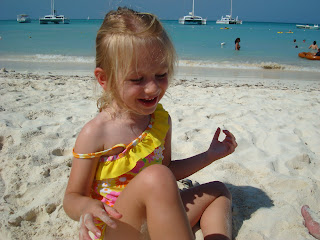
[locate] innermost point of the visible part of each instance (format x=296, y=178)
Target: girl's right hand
x=97, y=210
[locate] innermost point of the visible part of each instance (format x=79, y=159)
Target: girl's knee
x=158, y=176
x=220, y=189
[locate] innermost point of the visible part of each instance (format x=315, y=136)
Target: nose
x=152, y=86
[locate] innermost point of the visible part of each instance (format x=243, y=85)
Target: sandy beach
x=274, y=115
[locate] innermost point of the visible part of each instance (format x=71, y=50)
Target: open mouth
x=148, y=101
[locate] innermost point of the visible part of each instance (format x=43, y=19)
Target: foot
x=311, y=225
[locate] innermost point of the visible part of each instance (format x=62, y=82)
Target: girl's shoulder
x=93, y=134
x=94, y=126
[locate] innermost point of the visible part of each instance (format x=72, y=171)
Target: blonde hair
x=120, y=36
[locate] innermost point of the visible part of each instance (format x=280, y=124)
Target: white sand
x=274, y=171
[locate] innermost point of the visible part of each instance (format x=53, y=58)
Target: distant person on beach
x=313, y=45
x=311, y=224
x=122, y=183
x=237, y=44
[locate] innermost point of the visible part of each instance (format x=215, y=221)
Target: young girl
x=122, y=178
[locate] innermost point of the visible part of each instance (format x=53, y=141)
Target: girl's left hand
x=219, y=149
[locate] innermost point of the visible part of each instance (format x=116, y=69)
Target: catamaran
x=23, y=18
x=315, y=26
x=53, y=18
x=192, y=19
x=228, y=19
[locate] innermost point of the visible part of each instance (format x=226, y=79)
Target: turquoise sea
x=33, y=46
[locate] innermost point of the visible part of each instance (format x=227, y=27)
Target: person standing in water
x=237, y=44
x=314, y=46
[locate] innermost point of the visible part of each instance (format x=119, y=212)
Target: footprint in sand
x=50, y=208
x=190, y=134
x=32, y=115
x=58, y=152
x=299, y=162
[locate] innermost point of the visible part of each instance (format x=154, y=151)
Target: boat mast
x=193, y=8
x=231, y=10
x=53, y=12
x=51, y=8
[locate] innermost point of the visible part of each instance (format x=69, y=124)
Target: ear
x=101, y=77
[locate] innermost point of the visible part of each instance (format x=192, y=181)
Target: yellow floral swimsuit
x=115, y=172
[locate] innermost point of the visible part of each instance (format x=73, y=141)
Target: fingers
x=112, y=212
x=105, y=217
x=230, y=140
x=228, y=134
x=88, y=220
x=231, y=146
x=86, y=225
x=217, y=133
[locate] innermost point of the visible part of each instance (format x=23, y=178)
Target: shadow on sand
x=246, y=200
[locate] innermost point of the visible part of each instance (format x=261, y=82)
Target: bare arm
x=77, y=202
x=188, y=166
x=77, y=195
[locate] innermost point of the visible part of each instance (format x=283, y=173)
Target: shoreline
x=85, y=64
x=181, y=71
x=273, y=172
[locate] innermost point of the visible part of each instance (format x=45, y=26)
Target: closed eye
x=161, y=76
x=137, y=80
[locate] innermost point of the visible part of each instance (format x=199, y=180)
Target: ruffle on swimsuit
x=138, y=149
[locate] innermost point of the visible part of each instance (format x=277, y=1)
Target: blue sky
x=292, y=11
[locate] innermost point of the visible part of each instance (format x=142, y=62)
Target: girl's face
x=146, y=82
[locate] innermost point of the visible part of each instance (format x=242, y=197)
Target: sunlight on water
x=262, y=47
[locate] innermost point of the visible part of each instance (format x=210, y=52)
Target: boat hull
x=228, y=20
x=316, y=27
x=193, y=22
x=54, y=20
x=24, y=21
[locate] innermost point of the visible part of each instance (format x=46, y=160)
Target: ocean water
x=40, y=47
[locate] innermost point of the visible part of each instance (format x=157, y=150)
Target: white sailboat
x=307, y=26
x=228, y=19
x=23, y=18
x=53, y=18
x=192, y=19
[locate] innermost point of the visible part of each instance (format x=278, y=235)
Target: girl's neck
x=125, y=115
x=131, y=123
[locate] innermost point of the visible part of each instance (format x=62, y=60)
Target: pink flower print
x=111, y=198
x=138, y=167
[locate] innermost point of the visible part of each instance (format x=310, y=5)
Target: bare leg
x=310, y=223
x=153, y=196
x=211, y=204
